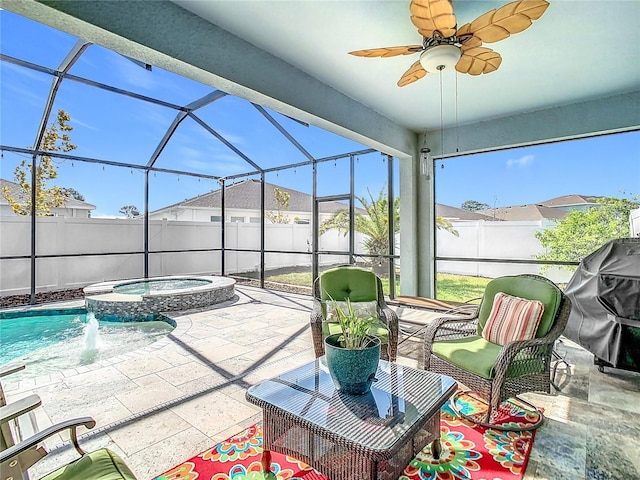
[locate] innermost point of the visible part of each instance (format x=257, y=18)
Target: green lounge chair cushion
x=474, y=354
x=523, y=287
x=102, y=464
x=356, y=284
x=477, y=355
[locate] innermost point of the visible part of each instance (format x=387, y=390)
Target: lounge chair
x=480, y=353
x=364, y=290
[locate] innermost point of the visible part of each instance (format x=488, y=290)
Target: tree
x=375, y=224
x=582, y=232
x=444, y=224
x=55, y=139
x=130, y=211
x=72, y=193
x=282, y=200
x=473, y=205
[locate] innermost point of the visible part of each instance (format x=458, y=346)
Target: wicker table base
x=337, y=462
x=372, y=437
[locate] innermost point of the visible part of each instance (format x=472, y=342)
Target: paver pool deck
x=163, y=404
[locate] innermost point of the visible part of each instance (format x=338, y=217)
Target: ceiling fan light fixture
x=440, y=57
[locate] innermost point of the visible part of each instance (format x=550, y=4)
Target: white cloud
x=520, y=162
x=84, y=124
x=232, y=138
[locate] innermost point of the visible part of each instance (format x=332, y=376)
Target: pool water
x=52, y=340
x=148, y=286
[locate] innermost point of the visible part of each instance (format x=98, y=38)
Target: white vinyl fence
x=85, y=240
x=495, y=240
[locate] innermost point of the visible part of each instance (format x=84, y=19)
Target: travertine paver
x=152, y=390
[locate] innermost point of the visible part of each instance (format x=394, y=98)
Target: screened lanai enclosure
x=161, y=175
x=168, y=154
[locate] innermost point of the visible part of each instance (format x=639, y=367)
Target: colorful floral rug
x=468, y=452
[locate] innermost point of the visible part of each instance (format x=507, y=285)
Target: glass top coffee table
x=352, y=437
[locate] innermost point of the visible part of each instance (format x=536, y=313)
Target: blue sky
x=112, y=127
x=601, y=166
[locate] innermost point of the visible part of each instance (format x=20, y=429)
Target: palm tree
x=375, y=224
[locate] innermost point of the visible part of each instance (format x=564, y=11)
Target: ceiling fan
x=445, y=45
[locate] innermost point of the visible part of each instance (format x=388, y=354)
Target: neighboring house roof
x=246, y=195
x=569, y=201
x=525, y=212
x=454, y=213
x=18, y=194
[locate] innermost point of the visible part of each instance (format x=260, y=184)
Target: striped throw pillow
x=512, y=319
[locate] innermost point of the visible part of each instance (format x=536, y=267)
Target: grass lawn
x=460, y=288
x=456, y=288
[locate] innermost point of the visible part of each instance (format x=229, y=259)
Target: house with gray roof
x=552, y=209
x=242, y=204
x=571, y=202
x=71, y=208
x=459, y=214
x=524, y=213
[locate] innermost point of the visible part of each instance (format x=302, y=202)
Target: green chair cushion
x=354, y=283
x=474, y=354
x=477, y=355
x=102, y=464
x=378, y=329
x=523, y=287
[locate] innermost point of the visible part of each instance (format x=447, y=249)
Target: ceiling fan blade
x=431, y=15
x=477, y=60
x=415, y=72
x=512, y=18
x=388, y=51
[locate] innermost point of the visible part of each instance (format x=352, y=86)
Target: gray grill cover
x=605, y=297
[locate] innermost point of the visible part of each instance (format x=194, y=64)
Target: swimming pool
x=48, y=341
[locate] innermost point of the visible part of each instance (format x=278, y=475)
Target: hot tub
x=132, y=298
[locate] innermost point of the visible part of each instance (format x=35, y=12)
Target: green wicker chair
x=360, y=286
x=494, y=372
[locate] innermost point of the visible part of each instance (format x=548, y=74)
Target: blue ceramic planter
x=352, y=371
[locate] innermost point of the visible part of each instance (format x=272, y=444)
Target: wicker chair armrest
x=390, y=319
x=316, y=312
x=538, y=349
x=444, y=328
x=511, y=349
x=315, y=322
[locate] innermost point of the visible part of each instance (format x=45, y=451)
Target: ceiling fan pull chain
x=457, y=132
x=441, y=120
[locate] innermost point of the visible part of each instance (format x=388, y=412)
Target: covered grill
x=605, y=294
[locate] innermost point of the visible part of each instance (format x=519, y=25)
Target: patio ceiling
x=577, y=51
x=578, y=65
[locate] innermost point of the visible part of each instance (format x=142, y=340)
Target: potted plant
x=353, y=355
